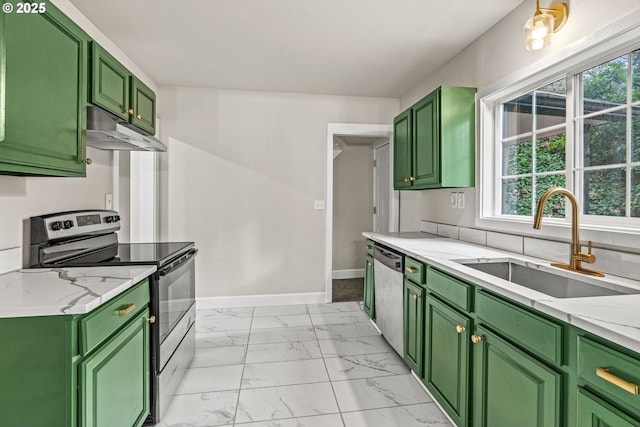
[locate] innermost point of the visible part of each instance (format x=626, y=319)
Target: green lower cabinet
x=594, y=412
x=43, y=72
x=368, y=304
x=511, y=388
x=447, y=359
x=414, y=326
x=114, y=380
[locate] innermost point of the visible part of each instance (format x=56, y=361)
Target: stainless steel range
x=88, y=238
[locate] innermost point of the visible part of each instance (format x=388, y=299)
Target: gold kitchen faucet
x=577, y=257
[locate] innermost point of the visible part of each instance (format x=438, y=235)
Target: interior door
x=381, y=189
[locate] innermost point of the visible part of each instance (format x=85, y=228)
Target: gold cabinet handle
x=411, y=269
x=151, y=319
x=128, y=309
x=138, y=116
x=406, y=180
x=412, y=178
x=476, y=339
x=460, y=329
x=416, y=296
x=129, y=111
x=627, y=386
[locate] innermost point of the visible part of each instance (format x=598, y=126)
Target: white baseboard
x=10, y=259
x=348, y=274
x=261, y=300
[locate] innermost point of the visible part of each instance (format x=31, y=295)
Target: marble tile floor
x=319, y=365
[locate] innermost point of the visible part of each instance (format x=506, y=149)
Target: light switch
x=454, y=200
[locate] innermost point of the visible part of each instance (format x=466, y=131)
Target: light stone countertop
x=616, y=318
x=59, y=291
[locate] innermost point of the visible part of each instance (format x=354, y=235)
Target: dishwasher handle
x=389, y=258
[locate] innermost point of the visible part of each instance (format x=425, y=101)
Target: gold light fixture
x=539, y=28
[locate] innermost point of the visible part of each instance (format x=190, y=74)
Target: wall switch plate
x=454, y=200
x=318, y=205
x=461, y=200
x=108, y=201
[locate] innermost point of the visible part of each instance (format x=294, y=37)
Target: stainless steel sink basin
x=558, y=285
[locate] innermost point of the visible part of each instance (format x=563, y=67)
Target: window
x=577, y=127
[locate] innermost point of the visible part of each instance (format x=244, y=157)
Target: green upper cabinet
x=115, y=89
x=43, y=69
x=434, y=141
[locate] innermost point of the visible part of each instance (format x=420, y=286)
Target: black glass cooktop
x=132, y=253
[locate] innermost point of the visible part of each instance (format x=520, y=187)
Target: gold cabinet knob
x=129, y=111
x=406, y=180
x=460, y=329
x=87, y=161
x=476, y=339
x=412, y=178
x=151, y=319
x=138, y=116
x=416, y=296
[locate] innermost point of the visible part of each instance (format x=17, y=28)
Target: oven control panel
x=70, y=224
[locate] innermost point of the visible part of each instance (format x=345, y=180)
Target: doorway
x=351, y=190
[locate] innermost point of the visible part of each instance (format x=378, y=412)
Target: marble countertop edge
x=610, y=317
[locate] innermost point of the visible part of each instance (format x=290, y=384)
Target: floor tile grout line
x=329, y=377
x=244, y=364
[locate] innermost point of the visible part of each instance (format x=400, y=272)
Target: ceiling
x=335, y=47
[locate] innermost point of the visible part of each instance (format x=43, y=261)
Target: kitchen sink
x=563, y=284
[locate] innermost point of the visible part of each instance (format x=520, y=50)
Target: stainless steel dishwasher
x=388, y=272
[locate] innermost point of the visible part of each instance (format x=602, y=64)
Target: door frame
x=351, y=129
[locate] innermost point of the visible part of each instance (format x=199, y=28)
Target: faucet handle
x=588, y=257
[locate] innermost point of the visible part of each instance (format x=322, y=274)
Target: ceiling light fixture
x=539, y=28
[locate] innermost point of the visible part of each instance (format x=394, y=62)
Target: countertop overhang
x=616, y=317
x=65, y=291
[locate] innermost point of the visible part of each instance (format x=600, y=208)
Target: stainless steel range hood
x=108, y=132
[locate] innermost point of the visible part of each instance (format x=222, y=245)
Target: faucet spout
x=577, y=257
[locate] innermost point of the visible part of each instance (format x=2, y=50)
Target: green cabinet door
x=402, y=151
x=594, y=412
x=43, y=93
x=143, y=101
x=512, y=388
x=426, y=142
x=414, y=326
x=114, y=380
x=368, y=304
x=447, y=361
x=109, y=83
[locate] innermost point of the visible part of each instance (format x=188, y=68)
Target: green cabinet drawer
x=454, y=291
x=534, y=333
x=96, y=326
x=594, y=412
x=369, y=246
x=414, y=270
x=610, y=372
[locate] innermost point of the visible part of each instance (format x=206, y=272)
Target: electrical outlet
x=108, y=201
x=454, y=200
x=318, y=205
x=461, y=200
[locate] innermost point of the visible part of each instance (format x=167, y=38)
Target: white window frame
x=606, y=44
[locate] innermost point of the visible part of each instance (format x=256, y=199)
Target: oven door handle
x=169, y=268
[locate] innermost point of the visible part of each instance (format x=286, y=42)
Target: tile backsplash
x=618, y=263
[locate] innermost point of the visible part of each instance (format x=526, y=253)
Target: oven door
x=175, y=287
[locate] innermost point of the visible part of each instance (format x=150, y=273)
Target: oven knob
x=67, y=224
x=108, y=219
x=116, y=218
x=56, y=225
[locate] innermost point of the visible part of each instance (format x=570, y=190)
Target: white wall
x=492, y=57
x=241, y=176
x=352, y=205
